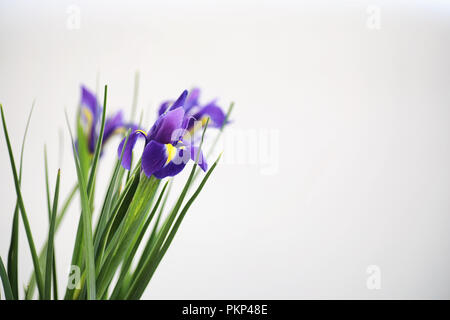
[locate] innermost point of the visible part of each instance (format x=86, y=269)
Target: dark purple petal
x=128, y=152
x=167, y=125
x=170, y=170
x=214, y=112
x=175, y=166
x=154, y=157
x=180, y=101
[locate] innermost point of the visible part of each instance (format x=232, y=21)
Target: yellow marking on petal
x=142, y=131
x=119, y=130
x=204, y=119
x=171, y=151
x=88, y=115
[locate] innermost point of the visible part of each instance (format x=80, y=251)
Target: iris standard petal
x=214, y=112
x=154, y=157
x=192, y=99
x=128, y=152
x=167, y=125
x=180, y=101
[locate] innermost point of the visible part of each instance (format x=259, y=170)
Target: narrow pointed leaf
x=50, y=241
x=31, y=244
x=87, y=227
x=14, y=244
x=6, y=285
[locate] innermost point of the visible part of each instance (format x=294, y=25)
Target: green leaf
x=183, y=212
x=106, y=213
x=83, y=148
x=47, y=186
x=110, y=236
x=98, y=147
x=135, y=216
x=50, y=241
x=153, y=234
x=14, y=244
x=6, y=285
x=34, y=256
x=143, y=277
x=87, y=226
x=133, y=249
x=42, y=258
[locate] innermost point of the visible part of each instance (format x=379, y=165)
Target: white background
x=362, y=160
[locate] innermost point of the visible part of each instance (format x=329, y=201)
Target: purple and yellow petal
x=89, y=104
x=214, y=112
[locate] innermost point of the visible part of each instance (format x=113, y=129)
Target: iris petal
x=166, y=126
x=112, y=124
x=214, y=112
x=170, y=170
x=154, y=157
x=192, y=99
x=163, y=107
x=89, y=101
x=128, y=152
x=180, y=101
x=201, y=159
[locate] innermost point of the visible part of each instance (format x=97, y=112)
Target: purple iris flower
x=165, y=153
x=92, y=113
x=196, y=111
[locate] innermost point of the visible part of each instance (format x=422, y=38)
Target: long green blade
x=14, y=244
x=146, y=273
x=50, y=246
x=87, y=226
x=61, y=214
x=133, y=249
x=185, y=209
x=98, y=147
x=142, y=276
x=6, y=285
x=47, y=185
x=31, y=244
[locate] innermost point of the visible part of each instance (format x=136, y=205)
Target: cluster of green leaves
x=133, y=216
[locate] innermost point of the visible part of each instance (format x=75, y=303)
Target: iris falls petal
x=154, y=157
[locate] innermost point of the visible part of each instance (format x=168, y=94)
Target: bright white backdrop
x=355, y=95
